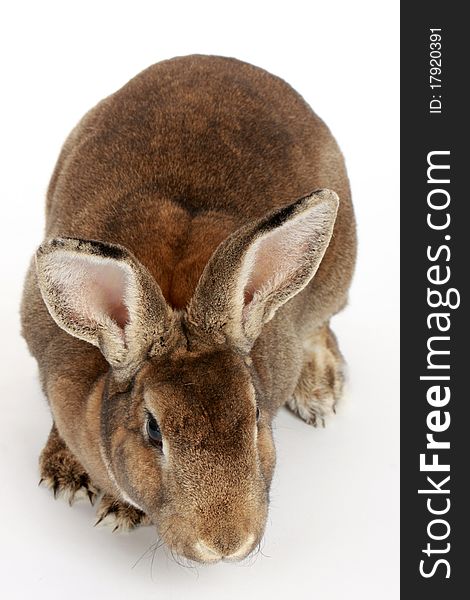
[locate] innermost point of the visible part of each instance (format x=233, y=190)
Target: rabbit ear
x=260, y=267
x=100, y=293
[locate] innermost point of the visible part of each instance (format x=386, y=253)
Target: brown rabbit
x=183, y=294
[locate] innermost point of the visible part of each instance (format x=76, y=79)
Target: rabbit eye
x=153, y=431
x=257, y=414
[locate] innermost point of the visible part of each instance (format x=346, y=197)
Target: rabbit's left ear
x=260, y=267
x=100, y=293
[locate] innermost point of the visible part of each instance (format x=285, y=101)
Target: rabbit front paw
x=62, y=473
x=119, y=515
x=321, y=381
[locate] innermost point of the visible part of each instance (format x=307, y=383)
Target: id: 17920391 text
x=435, y=70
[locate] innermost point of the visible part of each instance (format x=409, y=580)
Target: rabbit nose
x=216, y=551
x=243, y=550
x=206, y=553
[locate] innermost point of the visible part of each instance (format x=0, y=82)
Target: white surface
x=333, y=526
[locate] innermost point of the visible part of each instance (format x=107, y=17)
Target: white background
x=333, y=526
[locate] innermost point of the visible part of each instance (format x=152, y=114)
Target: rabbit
x=199, y=237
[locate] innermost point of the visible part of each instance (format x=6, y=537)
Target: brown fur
x=183, y=174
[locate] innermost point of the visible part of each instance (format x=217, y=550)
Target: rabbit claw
x=120, y=515
x=320, y=384
x=62, y=473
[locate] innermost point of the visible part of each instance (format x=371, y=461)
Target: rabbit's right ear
x=100, y=293
x=260, y=267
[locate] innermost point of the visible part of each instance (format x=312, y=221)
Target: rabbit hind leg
x=321, y=381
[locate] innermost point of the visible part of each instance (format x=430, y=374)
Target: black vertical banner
x=435, y=267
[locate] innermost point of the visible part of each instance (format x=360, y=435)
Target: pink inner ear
x=106, y=290
x=248, y=294
x=92, y=288
x=279, y=255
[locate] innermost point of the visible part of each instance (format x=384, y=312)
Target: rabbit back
x=184, y=154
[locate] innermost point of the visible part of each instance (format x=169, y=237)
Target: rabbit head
x=185, y=418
